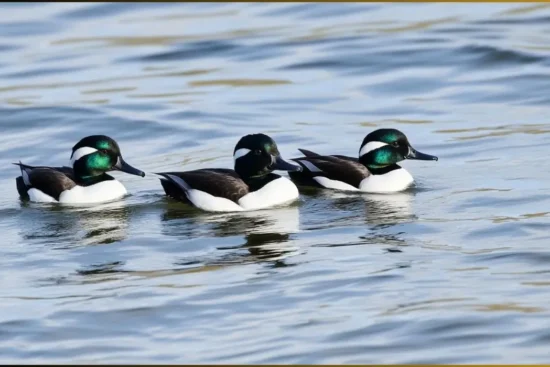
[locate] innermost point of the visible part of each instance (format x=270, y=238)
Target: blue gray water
x=454, y=271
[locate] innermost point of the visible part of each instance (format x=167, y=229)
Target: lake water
x=453, y=271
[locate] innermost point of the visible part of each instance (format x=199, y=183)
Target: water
x=454, y=271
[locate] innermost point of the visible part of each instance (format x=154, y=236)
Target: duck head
x=96, y=154
x=386, y=147
x=257, y=155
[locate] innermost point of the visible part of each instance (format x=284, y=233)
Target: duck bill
x=121, y=165
x=280, y=164
x=415, y=154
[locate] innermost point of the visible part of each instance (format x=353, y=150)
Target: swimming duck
x=376, y=170
x=250, y=186
x=86, y=182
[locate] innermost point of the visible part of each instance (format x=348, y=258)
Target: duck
x=251, y=185
x=375, y=171
x=85, y=183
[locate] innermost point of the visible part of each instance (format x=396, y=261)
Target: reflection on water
x=267, y=233
x=103, y=224
x=388, y=210
x=376, y=210
x=179, y=218
x=453, y=270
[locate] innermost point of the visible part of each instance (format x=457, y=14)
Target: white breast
x=278, y=191
x=100, y=192
x=393, y=181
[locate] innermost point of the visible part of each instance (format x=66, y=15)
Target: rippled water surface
x=454, y=270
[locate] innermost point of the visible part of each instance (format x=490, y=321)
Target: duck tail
x=20, y=165
x=24, y=173
x=174, y=179
x=23, y=166
x=173, y=187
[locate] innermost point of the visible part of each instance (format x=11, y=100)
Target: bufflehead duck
x=250, y=186
x=85, y=183
x=375, y=171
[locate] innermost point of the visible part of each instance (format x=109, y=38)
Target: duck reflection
x=267, y=233
x=350, y=208
x=382, y=213
x=273, y=248
x=384, y=210
x=106, y=224
x=75, y=226
x=182, y=220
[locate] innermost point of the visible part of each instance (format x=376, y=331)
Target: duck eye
x=395, y=144
x=104, y=151
x=257, y=152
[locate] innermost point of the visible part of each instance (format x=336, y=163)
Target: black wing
x=219, y=182
x=51, y=181
x=334, y=167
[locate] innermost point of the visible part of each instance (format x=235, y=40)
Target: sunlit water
x=455, y=270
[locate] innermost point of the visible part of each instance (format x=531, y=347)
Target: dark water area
x=452, y=271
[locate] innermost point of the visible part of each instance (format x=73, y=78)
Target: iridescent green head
x=96, y=154
x=386, y=147
x=257, y=155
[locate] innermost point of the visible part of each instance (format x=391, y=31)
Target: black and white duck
x=376, y=170
x=85, y=183
x=252, y=185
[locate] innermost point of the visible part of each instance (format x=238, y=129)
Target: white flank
x=98, y=193
x=370, y=146
x=278, y=191
x=310, y=166
x=81, y=152
x=334, y=184
x=204, y=200
x=39, y=197
x=240, y=153
x=393, y=181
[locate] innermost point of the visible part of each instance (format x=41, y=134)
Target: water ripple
x=453, y=270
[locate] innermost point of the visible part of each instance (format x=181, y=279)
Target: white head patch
x=240, y=153
x=81, y=152
x=372, y=145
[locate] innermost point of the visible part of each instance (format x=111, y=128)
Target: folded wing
x=334, y=167
x=51, y=181
x=221, y=183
